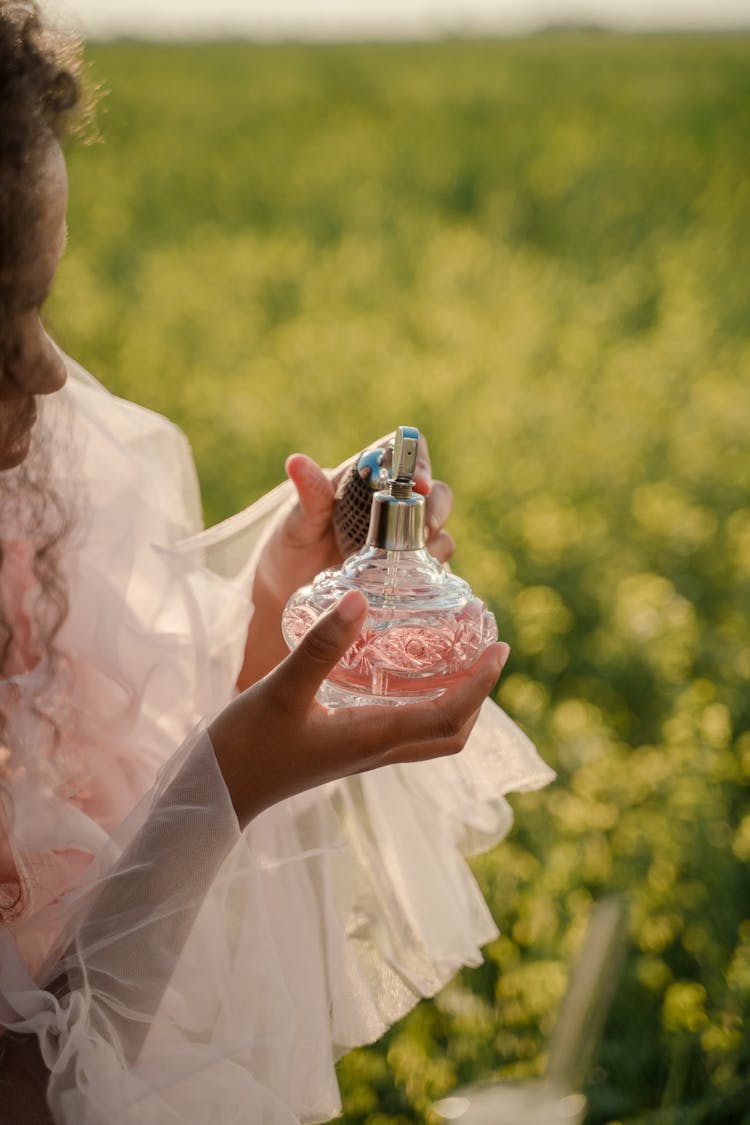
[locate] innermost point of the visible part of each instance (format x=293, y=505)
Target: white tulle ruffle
x=214, y=976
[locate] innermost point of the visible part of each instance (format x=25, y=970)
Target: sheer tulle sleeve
x=214, y=976
x=203, y=975
x=123, y=927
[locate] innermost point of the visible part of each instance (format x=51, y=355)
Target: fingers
x=297, y=679
x=423, y=751
x=441, y=720
x=437, y=509
x=441, y=546
x=438, y=506
x=309, y=521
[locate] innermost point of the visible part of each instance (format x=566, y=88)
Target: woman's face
x=29, y=363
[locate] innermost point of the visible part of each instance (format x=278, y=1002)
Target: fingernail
x=503, y=655
x=351, y=606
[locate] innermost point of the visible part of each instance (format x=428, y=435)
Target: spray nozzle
x=397, y=519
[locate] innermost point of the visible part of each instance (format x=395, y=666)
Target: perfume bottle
x=424, y=624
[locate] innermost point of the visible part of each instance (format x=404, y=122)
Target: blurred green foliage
x=538, y=251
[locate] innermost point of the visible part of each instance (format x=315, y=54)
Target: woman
x=206, y=894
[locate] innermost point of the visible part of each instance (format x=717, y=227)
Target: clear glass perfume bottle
x=424, y=624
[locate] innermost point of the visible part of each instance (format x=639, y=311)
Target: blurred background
x=524, y=229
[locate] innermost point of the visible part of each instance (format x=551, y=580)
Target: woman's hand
x=276, y=739
x=303, y=544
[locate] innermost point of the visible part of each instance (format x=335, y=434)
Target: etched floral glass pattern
x=424, y=625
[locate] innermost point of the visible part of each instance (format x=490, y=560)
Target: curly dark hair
x=39, y=92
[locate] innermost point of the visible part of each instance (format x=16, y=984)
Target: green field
x=538, y=251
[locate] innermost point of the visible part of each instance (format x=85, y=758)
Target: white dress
x=214, y=975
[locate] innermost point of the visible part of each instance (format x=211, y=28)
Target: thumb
x=320, y=650
x=310, y=520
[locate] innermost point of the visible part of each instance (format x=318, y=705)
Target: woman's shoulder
x=123, y=443
x=135, y=423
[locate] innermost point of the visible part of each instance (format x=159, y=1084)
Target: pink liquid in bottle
x=424, y=625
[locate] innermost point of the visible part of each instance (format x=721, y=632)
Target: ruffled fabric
x=213, y=975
